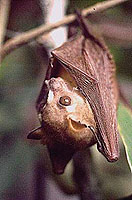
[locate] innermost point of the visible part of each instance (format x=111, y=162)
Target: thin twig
x=24, y=38
x=4, y=12
x=120, y=34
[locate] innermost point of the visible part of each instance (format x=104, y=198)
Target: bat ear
x=36, y=134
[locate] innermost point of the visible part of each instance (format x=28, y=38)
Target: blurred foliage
x=77, y=4
x=20, y=82
x=125, y=123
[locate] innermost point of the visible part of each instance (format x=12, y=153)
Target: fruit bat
x=78, y=100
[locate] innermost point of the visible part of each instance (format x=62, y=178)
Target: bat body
x=87, y=73
x=94, y=72
x=67, y=121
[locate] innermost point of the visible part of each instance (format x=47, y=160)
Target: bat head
x=67, y=123
x=67, y=113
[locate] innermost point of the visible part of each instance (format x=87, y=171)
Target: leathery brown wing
x=92, y=70
x=92, y=67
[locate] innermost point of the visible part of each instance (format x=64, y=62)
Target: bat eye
x=65, y=100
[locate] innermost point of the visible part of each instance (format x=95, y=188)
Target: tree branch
x=118, y=33
x=4, y=12
x=24, y=38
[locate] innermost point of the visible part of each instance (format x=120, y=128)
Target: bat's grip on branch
x=26, y=37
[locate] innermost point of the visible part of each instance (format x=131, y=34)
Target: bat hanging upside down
x=67, y=121
x=78, y=101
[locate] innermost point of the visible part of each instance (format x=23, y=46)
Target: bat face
x=67, y=114
x=68, y=123
x=78, y=101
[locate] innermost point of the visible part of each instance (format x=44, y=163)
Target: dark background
x=25, y=171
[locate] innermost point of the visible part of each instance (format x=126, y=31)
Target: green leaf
x=125, y=124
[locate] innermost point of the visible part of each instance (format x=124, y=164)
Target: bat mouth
x=76, y=125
